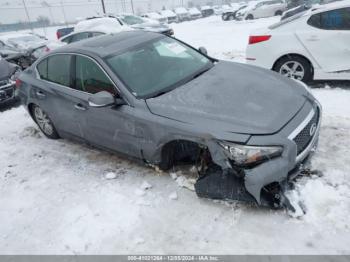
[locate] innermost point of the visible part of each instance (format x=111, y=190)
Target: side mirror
x=101, y=99
x=203, y=50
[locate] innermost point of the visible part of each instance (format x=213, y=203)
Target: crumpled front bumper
x=248, y=184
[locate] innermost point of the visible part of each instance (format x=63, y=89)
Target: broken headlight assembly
x=249, y=156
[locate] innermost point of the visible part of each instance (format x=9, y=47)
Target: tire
x=249, y=17
x=279, y=12
x=230, y=17
x=44, y=122
x=295, y=67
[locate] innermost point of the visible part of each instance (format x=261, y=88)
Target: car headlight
x=243, y=155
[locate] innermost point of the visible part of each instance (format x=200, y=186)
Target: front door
x=111, y=127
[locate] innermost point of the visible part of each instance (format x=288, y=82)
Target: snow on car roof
x=206, y=7
x=334, y=5
x=194, y=11
x=103, y=24
x=181, y=10
x=154, y=15
x=167, y=13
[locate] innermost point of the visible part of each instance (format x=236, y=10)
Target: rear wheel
x=295, y=67
x=249, y=17
x=44, y=122
x=230, y=17
x=279, y=12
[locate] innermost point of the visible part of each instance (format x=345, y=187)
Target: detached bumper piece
x=218, y=184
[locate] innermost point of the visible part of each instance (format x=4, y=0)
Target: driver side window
x=90, y=77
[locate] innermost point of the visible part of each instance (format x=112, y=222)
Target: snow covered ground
x=66, y=198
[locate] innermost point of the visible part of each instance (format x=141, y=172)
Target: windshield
x=132, y=20
x=158, y=66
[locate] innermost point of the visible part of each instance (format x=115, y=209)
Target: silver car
x=157, y=99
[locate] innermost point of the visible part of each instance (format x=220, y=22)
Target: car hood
x=233, y=97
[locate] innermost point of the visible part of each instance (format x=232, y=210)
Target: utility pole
x=132, y=6
x=64, y=13
x=26, y=10
x=103, y=6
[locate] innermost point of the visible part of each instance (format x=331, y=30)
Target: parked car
x=182, y=14
x=315, y=44
x=8, y=74
x=207, y=11
x=194, y=13
x=76, y=36
x=137, y=22
x=305, y=5
x=64, y=31
x=231, y=14
x=155, y=16
x=262, y=9
x=22, y=48
x=151, y=97
x=170, y=15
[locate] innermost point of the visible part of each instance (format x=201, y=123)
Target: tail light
x=58, y=34
x=18, y=83
x=253, y=39
x=47, y=49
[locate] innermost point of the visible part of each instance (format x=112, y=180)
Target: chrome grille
x=305, y=136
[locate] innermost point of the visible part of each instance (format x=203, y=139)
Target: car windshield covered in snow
x=158, y=66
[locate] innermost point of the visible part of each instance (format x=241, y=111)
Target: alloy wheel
x=43, y=121
x=293, y=69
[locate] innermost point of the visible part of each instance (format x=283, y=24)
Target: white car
x=194, y=13
x=261, y=9
x=182, y=14
x=312, y=45
x=170, y=15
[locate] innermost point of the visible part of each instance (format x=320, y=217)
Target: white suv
x=262, y=9
x=312, y=45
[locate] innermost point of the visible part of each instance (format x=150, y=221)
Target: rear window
x=287, y=20
x=331, y=20
x=56, y=69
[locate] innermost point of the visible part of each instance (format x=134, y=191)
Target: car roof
x=330, y=6
x=105, y=45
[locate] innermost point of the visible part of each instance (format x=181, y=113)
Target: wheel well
x=293, y=55
x=30, y=110
x=182, y=152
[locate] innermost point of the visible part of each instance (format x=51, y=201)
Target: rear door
x=327, y=38
x=65, y=105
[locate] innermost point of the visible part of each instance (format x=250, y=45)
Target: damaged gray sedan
x=154, y=98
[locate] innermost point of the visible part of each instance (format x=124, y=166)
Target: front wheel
x=295, y=67
x=44, y=122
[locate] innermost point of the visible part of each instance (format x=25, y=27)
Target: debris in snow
x=173, y=196
x=173, y=175
x=145, y=185
x=30, y=131
x=140, y=192
x=188, y=183
x=111, y=175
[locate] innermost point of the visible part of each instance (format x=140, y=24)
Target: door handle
x=80, y=107
x=40, y=94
